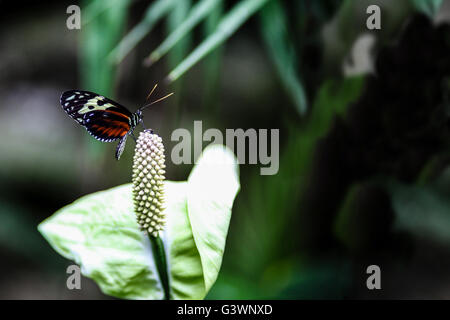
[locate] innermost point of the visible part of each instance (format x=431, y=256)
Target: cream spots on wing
x=92, y=104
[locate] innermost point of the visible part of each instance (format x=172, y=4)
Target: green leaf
x=228, y=25
x=186, y=273
x=154, y=13
x=99, y=232
x=429, y=7
x=198, y=12
x=176, y=17
x=98, y=38
x=93, y=9
x=282, y=52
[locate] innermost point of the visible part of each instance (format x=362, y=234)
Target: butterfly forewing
x=103, y=118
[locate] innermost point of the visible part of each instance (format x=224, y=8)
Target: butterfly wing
x=105, y=119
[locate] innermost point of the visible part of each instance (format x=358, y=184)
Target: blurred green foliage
x=102, y=30
x=430, y=7
x=155, y=11
x=179, y=13
x=423, y=210
x=101, y=33
x=282, y=51
x=271, y=206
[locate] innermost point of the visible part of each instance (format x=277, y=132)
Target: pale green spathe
x=213, y=186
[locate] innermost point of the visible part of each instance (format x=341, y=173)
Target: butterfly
x=105, y=119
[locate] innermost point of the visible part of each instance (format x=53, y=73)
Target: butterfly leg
x=145, y=129
x=121, y=146
x=132, y=134
x=142, y=122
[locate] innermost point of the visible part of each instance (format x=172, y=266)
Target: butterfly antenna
x=160, y=99
x=148, y=96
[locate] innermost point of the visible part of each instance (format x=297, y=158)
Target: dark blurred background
x=364, y=138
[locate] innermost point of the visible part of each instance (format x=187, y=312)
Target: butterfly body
x=105, y=119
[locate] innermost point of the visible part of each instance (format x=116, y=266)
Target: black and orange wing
x=106, y=125
x=105, y=119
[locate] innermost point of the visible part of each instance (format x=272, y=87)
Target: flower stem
x=161, y=263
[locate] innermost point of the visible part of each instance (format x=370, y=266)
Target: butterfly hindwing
x=106, y=125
